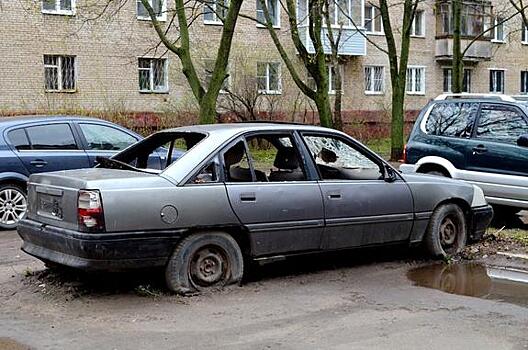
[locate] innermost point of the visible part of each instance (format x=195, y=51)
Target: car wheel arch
x=239, y=233
x=465, y=206
x=434, y=163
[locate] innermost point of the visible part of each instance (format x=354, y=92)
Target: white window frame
x=412, y=90
x=331, y=87
x=212, y=4
x=491, y=70
x=277, y=11
x=267, y=90
x=373, y=19
x=495, y=31
x=524, y=34
x=161, y=18
x=450, y=78
x=58, y=10
x=413, y=26
x=58, y=66
x=151, y=76
x=208, y=74
x=372, y=68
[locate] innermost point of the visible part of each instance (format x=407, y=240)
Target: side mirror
x=390, y=174
x=523, y=141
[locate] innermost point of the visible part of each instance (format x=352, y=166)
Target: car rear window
x=18, y=139
x=51, y=137
x=454, y=119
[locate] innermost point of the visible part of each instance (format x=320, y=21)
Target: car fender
x=11, y=176
x=444, y=163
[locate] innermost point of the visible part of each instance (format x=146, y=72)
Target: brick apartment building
x=59, y=55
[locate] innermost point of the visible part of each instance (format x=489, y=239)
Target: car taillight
x=90, y=211
x=405, y=154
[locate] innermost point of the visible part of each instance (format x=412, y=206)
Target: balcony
x=346, y=17
x=352, y=42
x=480, y=50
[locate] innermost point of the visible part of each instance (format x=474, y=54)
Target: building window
x=374, y=79
x=269, y=77
x=524, y=34
x=416, y=80
x=274, y=12
x=340, y=12
x=59, y=7
x=476, y=19
x=208, y=75
x=498, y=30
x=59, y=73
x=332, y=80
x=448, y=80
x=157, y=5
x=418, y=25
x=524, y=82
x=373, y=20
x=497, y=81
x=153, y=75
x=215, y=11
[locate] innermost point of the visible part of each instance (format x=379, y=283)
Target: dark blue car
x=34, y=144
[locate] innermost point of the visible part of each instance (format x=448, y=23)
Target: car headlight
x=478, y=197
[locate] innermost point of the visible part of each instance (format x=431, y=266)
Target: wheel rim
x=13, y=206
x=449, y=232
x=209, y=267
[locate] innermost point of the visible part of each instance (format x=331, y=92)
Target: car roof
x=24, y=119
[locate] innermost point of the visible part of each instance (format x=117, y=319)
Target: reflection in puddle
x=487, y=282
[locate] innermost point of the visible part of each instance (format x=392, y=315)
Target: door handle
x=38, y=163
x=248, y=197
x=334, y=195
x=479, y=149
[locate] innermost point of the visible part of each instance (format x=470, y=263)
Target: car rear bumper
x=480, y=219
x=107, y=251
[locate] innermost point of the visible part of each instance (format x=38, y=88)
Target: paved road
x=326, y=302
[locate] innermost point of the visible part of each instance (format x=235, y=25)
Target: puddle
x=475, y=280
x=10, y=344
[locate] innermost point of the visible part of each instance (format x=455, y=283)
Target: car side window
x=207, y=175
x=18, y=139
x=501, y=124
x=275, y=158
x=51, y=137
x=338, y=160
x=105, y=138
x=453, y=119
x=236, y=164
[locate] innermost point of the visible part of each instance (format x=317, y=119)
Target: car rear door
x=48, y=147
x=361, y=208
x=284, y=212
x=493, y=158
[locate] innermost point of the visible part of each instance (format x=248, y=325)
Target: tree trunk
x=208, y=108
x=397, y=122
x=323, y=109
x=338, y=118
x=457, y=73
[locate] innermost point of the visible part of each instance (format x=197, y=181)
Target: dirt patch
x=10, y=344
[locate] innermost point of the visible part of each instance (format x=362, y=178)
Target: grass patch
x=517, y=235
x=380, y=146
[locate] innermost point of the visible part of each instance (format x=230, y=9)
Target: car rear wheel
x=435, y=173
x=203, y=262
x=13, y=205
x=447, y=231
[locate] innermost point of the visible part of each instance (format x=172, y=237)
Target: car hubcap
x=448, y=232
x=13, y=206
x=208, y=267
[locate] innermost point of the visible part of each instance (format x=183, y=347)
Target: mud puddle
x=475, y=280
x=10, y=344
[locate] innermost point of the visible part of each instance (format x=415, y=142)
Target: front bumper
x=105, y=251
x=480, y=220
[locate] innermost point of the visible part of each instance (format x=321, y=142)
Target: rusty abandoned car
x=240, y=193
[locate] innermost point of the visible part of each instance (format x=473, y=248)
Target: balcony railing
x=351, y=43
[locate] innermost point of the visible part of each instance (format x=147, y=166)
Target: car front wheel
x=13, y=205
x=203, y=262
x=447, y=232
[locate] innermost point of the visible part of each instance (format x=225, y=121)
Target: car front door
x=49, y=147
x=494, y=159
x=271, y=194
x=361, y=207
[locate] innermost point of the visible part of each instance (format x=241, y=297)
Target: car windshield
x=156, y=152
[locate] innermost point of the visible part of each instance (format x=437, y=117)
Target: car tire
x=435, y=173
x=13, y=205
x=203, y=262
x=446, y=233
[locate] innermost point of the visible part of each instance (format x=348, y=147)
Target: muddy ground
x=353, y=300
